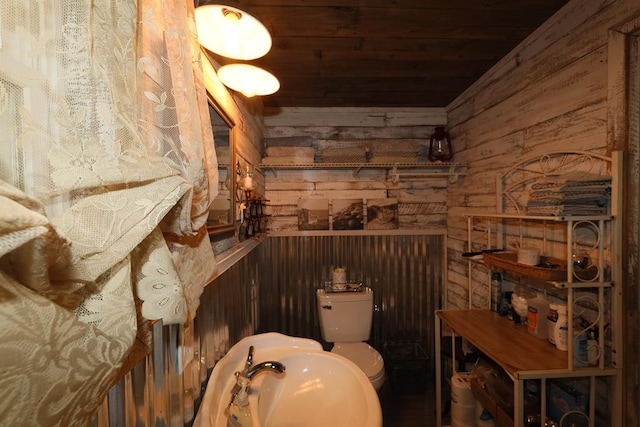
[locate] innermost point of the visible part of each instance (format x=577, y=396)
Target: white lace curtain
x=106, y=149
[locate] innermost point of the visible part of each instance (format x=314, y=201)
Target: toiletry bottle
x=506, y=309
x=580, y=352
x=537, y=311
x=239, y=412
x=496, y=289
x=561, y=329
x=519, y=300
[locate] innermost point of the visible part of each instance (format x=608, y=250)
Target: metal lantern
x=440, y=148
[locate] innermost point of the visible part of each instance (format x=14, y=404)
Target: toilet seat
x=364, y=356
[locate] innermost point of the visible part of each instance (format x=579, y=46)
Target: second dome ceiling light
x=225, y=29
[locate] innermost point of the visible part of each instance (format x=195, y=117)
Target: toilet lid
x=362, y=354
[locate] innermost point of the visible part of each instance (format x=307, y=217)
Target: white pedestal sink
x=318, y=388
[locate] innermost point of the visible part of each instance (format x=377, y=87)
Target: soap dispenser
x=239, y=412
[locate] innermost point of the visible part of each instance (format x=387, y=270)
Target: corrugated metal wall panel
x=273, y=289
x=160, y=392
x=405, y=272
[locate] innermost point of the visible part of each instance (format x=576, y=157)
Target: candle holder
x=245, y=179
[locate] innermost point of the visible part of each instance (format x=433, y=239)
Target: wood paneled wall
x=421, y=203
x=247, y=115
x=562, y=88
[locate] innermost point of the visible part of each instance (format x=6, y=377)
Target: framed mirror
x=220, y=223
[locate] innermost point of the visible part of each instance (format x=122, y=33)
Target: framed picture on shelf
x=348, y=214
x=313, y=214
x=382, y=214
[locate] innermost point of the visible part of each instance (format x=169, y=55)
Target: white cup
x=528, y=256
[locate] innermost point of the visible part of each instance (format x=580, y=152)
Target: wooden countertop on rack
x=508, y=344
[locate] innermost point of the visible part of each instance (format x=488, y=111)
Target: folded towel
x=575, y=193
x=573, y=179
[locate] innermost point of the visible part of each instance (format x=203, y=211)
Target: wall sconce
x=247, y=179
x=225, y=29
x=440, y=148
x=248, y=79
x=244, y=179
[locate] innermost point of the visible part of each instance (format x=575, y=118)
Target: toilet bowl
x=345, y=321
x=366, y=358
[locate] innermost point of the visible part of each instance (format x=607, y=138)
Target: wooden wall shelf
x=399, y=169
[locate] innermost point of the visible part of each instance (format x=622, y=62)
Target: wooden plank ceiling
x=388, y=53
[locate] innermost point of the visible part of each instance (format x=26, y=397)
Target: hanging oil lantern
x=440, y=148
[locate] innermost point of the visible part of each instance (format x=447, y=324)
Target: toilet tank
x=345, y=316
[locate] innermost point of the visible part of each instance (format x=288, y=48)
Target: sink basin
x=318, y=388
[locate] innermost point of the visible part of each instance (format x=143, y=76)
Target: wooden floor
x=408, y=409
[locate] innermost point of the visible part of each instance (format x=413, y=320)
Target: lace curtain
x=106, y=150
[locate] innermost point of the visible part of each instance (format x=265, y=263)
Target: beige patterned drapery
x=106, y=147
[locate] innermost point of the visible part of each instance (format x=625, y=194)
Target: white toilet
x=345, y=320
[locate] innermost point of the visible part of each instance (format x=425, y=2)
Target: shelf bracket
x=273, y=171
x=395, y=176
x=453, y=176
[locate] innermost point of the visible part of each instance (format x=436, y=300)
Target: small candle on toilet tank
x=339, y=275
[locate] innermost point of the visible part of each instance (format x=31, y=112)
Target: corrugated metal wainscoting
x=272, y=288
x=406, y=273
x=165, y=387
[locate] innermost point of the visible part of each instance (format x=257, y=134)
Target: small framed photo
x=348, y=214
x=313, y=214
x=382, y=214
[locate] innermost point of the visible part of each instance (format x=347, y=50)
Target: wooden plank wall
x=554, y=91
x=246, y=114
x=421, y=203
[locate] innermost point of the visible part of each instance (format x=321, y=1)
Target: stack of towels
x=575, y=193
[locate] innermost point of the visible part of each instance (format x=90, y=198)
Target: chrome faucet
x=249, y=362
x=250, y=371
x=264, y=366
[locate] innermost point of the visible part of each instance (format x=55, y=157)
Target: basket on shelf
x=550, y=269
x=344, y=155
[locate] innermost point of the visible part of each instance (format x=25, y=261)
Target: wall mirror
x=220, y=223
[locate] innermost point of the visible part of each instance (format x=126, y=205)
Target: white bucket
x=463, y=404
x=461, y=389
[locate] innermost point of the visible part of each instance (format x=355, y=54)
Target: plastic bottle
x=537, y=311
x=580, y=352
x=496, y=291
x=519, y=301
x=561, y=329
x=506, y=309
x=239, y=412
x=505, y=303
x=552, y=319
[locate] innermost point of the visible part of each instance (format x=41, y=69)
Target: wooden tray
x=508, y=261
